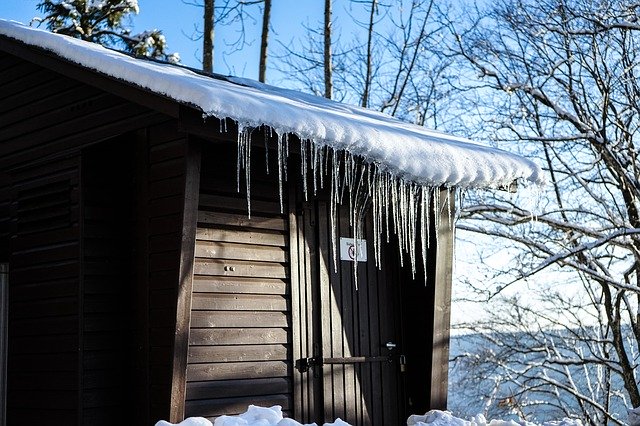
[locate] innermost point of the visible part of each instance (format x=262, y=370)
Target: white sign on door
x=349, y=248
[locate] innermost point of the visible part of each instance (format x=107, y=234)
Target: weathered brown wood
x=203, y=319
x=166, y=169
x=236, y=203
x=219, y=284
x=299, y=407
x=313, y=278
x=266, y=238
x=217, y=250
x=327, y=309
x=53, y=120
x=237, y=336
x=240, y=302
x=185, y=282
x=237, y=388
x=230, y=406
x=23, y=103
x=235, y=268
x=241, y=220
x=174, y=147
x=220, y=353
x=348, y=313
x=442, y=308
x=374, y=392
x=122, y=121
x=229, y=371
x=52, y=62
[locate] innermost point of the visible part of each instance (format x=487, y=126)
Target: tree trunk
x=328, y=77
x=266, y=17
x=207, y=36
x=367, y=80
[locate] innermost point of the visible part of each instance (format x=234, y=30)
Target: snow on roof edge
x=408, y=151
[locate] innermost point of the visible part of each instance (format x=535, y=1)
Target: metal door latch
x=304, y=364
x=403, y=364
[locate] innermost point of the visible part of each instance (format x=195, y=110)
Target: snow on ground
x=407, y=151
x=262, y=416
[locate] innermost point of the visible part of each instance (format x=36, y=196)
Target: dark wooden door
x=342, y=328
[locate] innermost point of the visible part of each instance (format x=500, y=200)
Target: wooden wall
x=239, y=344
x=108, y=311
x=74, y=335
x=44, y=294
x=161, y=221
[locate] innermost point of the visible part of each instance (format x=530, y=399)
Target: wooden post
x=185, y=282
x=442, y=303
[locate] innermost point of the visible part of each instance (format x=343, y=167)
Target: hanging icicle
x=399, y=207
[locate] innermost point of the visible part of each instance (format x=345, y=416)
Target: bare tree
x=369, y=55
x=223, y=12
x=558, y=80
x=328, y=65
x=266, y=21
x=208, y=35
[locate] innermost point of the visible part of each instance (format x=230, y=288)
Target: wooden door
x=344, y=368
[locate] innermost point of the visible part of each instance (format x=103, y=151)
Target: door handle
x=390, y=345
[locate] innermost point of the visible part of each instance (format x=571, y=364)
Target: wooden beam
x=442, y=303
x=185, y=282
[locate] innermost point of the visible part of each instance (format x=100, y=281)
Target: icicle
x=303, y=167
x=314, y=168
x=279, y=154
x=335, y=176
x=285, y=156
x=266, y=148
x=239, y=160
x=437, y=213
x=244, y=161
x=322, y=164
x=247, y=170
x=424, y=217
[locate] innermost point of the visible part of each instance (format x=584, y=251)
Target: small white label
x=349, y=248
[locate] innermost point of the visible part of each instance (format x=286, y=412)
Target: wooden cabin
x=136, y=287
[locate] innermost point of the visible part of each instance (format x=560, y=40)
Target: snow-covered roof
x=407, y=151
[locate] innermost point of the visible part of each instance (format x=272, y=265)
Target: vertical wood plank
x=442, y=307
x=296, y=308
x=345, y=290
x=185, y=282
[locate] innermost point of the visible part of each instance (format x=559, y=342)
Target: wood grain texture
x=240, y=339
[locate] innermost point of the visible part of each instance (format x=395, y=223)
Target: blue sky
x=176, y=20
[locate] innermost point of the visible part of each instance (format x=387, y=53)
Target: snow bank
x=407, y=151
x=262, y=416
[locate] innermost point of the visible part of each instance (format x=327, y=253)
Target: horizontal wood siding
x=240, y=340
x=59, y=327
x=108, y=302
x=44, y=325
x=43, y=113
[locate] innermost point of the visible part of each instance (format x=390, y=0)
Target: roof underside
x=407, y=151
